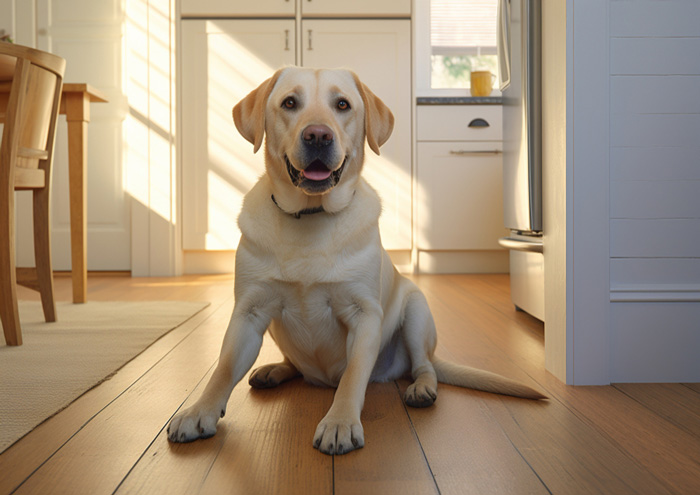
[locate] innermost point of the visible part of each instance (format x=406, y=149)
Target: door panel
x=222, y=61
x=379, y=52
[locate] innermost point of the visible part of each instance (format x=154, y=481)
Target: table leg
x=77, y=117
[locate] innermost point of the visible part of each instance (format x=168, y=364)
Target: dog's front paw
x=194, y=423
x=339, y=435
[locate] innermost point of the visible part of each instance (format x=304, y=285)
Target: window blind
x=463, y=27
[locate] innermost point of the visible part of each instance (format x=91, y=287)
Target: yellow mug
x=482, y=82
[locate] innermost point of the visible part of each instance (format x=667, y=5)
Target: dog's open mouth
x=316, y=177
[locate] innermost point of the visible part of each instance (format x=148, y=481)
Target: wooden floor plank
x=568, y=455
x=264, y=431
x=164, y=469
x=23, y=458
x=617, y=439
x=487, y=339
x=657, y=445
x=693, y=386
x=467, y=449
x=106, y=448
x=670, y=401
x=392, y=460
x=267, y=447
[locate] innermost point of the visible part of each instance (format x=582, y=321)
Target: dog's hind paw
x=418, y=395
x=271, y=375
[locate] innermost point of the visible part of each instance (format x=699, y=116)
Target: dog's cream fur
x=335, y=305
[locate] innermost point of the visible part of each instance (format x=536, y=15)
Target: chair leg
x=9, y=312
x=42, y=252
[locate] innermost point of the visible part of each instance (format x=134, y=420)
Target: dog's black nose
x=317, y=135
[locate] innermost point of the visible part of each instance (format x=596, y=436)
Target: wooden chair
x=31, y=111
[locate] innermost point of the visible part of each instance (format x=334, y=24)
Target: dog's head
x=316, y=123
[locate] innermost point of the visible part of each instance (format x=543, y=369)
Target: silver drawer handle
x=480, y=152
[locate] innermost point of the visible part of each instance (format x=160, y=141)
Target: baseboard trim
x=443, y=262
x=208, y=262
x=217, y=262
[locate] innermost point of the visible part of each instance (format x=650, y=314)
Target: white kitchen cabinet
x=379, y=51
x=222, y=61
x=241, y=8
x=364, y=8
x=459, y=195
x=459, y=188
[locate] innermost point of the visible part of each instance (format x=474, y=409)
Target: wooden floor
x=640, y=439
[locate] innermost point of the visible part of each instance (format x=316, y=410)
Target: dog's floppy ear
x=379, y=121
x=249, y=113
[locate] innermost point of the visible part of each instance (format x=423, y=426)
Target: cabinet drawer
x=364, y=8
x=237, y=8
x=309, y=8
x=452, y=122
x=460, y=196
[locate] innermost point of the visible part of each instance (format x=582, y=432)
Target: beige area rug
x=60, y=361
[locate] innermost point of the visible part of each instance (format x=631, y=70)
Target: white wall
x=18, y=19
x=655, y=190
x=150, y=128
x=127, y=51
x=88, y=34
x=630, y=310
x=554, y=184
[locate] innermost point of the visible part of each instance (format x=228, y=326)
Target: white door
x=88, y=35
x=222, y=61
x=379, y=51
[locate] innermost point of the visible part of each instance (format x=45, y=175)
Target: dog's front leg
x=340, y=431
x=238, y=353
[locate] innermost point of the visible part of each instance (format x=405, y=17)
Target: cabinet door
x=261, y=8
x=379, y=51
x=222, y=61
x=460, y=196
x=364, y=8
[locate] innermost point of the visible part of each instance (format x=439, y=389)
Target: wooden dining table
x=75, y=105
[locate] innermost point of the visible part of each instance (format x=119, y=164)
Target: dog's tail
x=464, y=376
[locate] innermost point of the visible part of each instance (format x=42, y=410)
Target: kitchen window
x=454, y=37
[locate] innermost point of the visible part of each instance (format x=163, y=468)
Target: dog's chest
x=310, y=333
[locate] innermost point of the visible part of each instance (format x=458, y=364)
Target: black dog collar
x=298, y=214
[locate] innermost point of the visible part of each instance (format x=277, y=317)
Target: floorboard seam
x=415, y=434
x=160, y=432
x=515, y=447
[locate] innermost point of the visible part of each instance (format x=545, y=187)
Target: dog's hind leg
x=420, y=339
x=271, y=375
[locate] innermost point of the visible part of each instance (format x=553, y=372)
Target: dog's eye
x=343, y=105
x=289, y=103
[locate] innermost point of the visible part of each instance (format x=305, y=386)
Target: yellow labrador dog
x=311, y=267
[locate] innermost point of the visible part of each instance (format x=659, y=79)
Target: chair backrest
x=35, y=80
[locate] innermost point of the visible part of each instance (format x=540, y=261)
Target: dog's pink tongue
x=317, y=174
x=316, y=171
